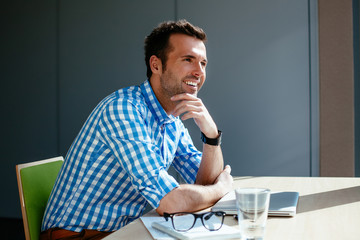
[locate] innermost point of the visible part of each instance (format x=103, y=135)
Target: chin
x=193, y=93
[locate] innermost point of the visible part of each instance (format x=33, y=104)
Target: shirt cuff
x=160, y=186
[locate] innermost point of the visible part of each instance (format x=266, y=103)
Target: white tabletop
x=328, y=208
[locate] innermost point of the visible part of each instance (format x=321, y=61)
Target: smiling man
x=118, y=163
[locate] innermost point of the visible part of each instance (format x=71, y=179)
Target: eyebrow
x=193, y=57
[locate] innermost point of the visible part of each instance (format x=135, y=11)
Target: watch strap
x=212, y=141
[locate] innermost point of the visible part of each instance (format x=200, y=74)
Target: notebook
x=197, y=232
x=282, y=204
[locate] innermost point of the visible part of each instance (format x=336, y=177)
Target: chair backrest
x=35, y=182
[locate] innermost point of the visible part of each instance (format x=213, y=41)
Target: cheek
x=203, y=79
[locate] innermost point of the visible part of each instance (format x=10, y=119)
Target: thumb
x=227, y=169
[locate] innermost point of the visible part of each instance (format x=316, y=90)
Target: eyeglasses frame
x=196, y=215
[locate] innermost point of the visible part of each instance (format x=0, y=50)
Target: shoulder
x=131, y=96
x=125, y=100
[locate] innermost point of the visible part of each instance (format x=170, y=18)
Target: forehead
x=181, y=44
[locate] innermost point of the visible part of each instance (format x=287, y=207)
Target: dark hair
x=157, y=43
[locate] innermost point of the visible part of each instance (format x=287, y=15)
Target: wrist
x=214, y=141
x=222, y=188
x=211, y=134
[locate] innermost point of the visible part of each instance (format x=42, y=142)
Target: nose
x=199, y=70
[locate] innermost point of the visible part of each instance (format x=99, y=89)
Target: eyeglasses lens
x=183, y=222
x=213, y=220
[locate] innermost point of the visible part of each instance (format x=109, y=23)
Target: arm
x=212, y=182
x=193, y=197
x=130, y=141
x=212, y=162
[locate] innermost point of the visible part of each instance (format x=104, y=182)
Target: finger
x=185, y=103
x=186, y=106
x=191, y=114
x=183, y=96
x=227, y=169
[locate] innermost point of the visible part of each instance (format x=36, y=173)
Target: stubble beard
x=172, y=85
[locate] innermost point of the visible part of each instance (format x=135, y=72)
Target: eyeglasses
x=184, y=221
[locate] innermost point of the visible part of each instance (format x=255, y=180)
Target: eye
x=203, y=64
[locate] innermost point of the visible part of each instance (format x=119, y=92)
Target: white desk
x=329, y=208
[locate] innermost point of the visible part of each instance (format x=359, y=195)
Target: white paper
x=197, y=232
x=156, y=234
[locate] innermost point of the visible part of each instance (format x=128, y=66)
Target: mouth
x=191, y=84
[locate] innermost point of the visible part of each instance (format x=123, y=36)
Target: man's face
x=185, y=66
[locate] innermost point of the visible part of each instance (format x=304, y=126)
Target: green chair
x=35, y=182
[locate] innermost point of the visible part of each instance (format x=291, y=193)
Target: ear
x=155, y=64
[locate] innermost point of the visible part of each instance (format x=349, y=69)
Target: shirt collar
x=154, y=105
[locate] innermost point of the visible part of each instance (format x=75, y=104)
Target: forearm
x=191, y=198
x=212, y=161
x=212, y=164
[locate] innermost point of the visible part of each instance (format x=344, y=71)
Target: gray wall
x=258, y=86
x=28, y=101
x=60, y=58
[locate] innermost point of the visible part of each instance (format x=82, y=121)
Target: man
x=118, y=163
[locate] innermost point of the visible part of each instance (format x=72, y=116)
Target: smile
x=193, y=84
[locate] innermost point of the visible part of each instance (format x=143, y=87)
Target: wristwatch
x=212, y=141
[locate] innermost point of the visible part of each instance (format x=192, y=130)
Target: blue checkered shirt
x=118, y=163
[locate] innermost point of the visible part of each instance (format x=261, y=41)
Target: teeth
x=191, y=84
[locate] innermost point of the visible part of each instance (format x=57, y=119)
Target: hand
x=193, y=107
x=225, y=180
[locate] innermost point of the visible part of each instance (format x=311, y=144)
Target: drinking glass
x=252, y=207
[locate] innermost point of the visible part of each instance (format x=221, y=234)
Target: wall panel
x=258, y=86
x=28, y=105
x=101, y=50
x=336, y=67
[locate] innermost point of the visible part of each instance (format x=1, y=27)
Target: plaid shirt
x=118, y=163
